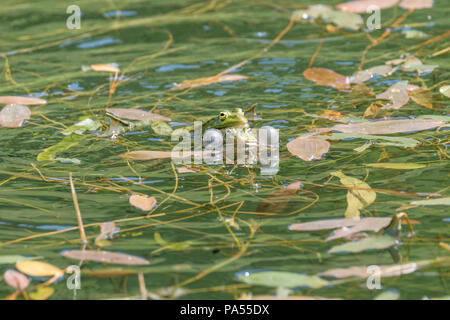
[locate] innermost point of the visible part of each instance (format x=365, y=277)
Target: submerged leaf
x=327, y=77
x=282, y=279
x=308, y=149
x=414, y=34
x=65, y=144
x=13, y=116
x=82, y=126
x=145, y=203
x=11, y=259
x=369, y=243
x=445, y=90
x=104, y=257
x=279, y=199
x=393, y=141
x=161, y=128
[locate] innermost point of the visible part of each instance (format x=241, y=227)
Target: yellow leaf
x=43, y=293
x=38, y=268
x=104, y=67
x=398, y=165
x=359, y=195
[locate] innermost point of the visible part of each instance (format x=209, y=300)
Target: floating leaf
x=397, y=166
x=369, y=243
x=327, y=77
x=414, y=34
x=416, y=4
x=357, y=197
x=308, y=149
x=365, y=224
x=391, y=294
x=389, y=126
x=136, y=114
x=422, y=97
x=344, y=19
x=147, y=155
x=364, y=75
x=16, y=279
x=145, y=203
x=13, y=116
x=398, y=95
x=394, y=141
x=282, y=279
x=38, y=268
x=445, y=90
x=413, y=64
x=208, y=81
x=432, y=202
x=361, y=6
x=23, y=101
x=312, y=13
x=105, y=68
x=323, y=224
x=385, y=270
x=42, y=293
x=107, y=231
x=104, y=257
x=12, y=259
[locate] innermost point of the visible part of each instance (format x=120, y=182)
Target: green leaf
x=9, y=259
x=432, y=202
x=282, y=279
x=394, y=141
x=65, y=144
x=397, y=166
x=369, y=243
x=82, y=126
x=161, y=128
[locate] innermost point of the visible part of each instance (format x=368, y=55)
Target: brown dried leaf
x=327, y=77
x=361, y=6
x=145, y=203
x=13, y=116
x=24, y=101
x=208, y=80
x=279, y=199
x=104, y=257
x=308, y=149
x=422, y=97
x=16, y=279
x=136, y=114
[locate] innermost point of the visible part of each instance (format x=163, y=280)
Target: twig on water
x=77, y=210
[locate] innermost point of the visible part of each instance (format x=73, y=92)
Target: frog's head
x=227, y=119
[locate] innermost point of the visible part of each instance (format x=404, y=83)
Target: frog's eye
x=222, y=116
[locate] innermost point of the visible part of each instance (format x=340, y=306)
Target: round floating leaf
x=308, y=149
x=16, y=279
x=145, y=203
x=13, y=116
x=105, y=257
